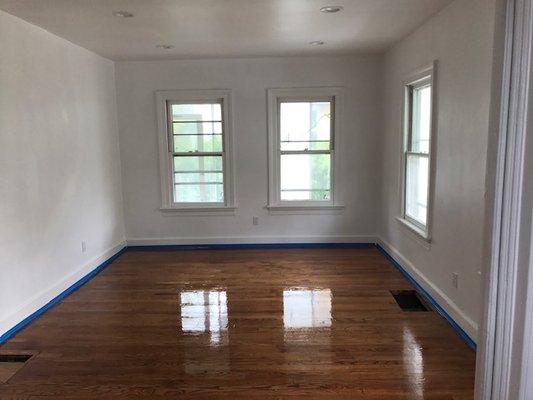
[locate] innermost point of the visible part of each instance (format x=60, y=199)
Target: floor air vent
x=14, y=358
x=409, y=300
x=11, y=363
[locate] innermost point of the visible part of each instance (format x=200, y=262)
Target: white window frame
x=163, y=99
x=420, y=77
x=274, y=97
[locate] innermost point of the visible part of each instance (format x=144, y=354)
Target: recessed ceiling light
x=331, y=9
x=316, y=43
x=122, y=14
x=165, y=46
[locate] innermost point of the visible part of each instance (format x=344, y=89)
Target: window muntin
x=417, y=151
x=197, y=150
x=304, y=149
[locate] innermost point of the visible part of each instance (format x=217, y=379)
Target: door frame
x=497, y=351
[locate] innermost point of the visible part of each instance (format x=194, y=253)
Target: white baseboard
x=466, y=323
x=43, y=297
x=251, y=240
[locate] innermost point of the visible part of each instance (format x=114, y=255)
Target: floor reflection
x=306, y=308
x=307, y=319
x=204, y=325
x=205, y=311
x=413, y=361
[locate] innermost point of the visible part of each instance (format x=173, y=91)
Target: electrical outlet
x=255, y=220
x=455, y=279
x=83, y=246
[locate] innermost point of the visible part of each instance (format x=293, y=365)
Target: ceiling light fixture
x=331, y=9
x=165, y=46
x=122, y=14
x=316, y=43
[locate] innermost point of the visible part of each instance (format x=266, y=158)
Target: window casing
x=417, y=170
x=303, y=133
x=195, y=150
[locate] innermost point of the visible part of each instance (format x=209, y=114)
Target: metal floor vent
x=409, y=300
x=14, y=358
x=11, y=362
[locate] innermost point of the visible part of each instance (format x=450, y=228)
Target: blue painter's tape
x=59, y=297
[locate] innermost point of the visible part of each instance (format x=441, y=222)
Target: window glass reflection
x=413, y=360
x=205, y=311
x=306, y=308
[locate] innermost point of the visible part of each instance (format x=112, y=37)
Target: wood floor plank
x=254, y=324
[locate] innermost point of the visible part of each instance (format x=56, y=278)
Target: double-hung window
x=303, y=128
x=417, y=154
x=195, y=150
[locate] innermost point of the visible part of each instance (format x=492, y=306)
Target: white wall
x=460, y=37
x=249, y=78
x=59, y=166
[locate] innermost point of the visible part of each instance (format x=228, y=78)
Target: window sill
x=420, y=235
x=196, y=211
x=304, y=210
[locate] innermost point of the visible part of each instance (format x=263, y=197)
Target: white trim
x=453, y=310
x=526, y=388
x=165, y=167
x=304, y=210
x=240, y=239
x=310, y=93
x=427, y=73
x=495, y=361
x=197, y=211
x=43, y=297
x=415, y=229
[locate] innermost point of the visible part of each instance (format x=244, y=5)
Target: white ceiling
x=225, y=28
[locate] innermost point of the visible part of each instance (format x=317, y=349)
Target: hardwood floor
x=254, y=324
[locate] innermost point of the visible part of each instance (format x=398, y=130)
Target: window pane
x=201, y=177
x=298, y=146
x=198, y=179
x=194, y=128
x=416, y=188
x=304, y=195
x=421, y=119
x=202, y=143
x=197, y=163
x=190, y=193
x=305, y=125
x=305, y=177
x=197, y=112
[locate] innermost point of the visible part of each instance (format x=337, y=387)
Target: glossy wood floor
x=252, y=324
